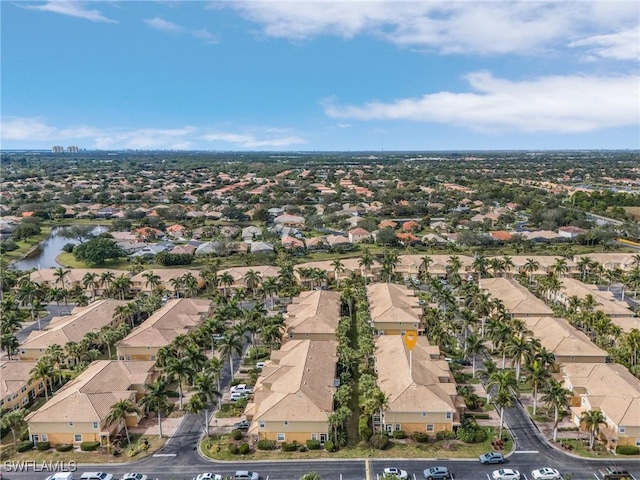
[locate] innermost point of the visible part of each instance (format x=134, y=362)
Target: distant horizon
x=322, y=75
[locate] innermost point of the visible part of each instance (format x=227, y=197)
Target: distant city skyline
x=320, y=76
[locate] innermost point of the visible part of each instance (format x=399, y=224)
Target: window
x=23, y=389
x=281, y=437
x=314, y=436
x=260, y=424
x=71, y=424
x=153, y=358
x=45, y=437
x=323, y=437
x=388, y=427
x=25, y=400
x=127, y=357
x=95, y=424
x=40, y=385
x=583, y=401
x=424, y=414
x=77, y=437
x=622, y=429
x=637, y=442
x=398, y=427
x=449, y=415
x=35, y=438
x=429, y=427
x=286, y=423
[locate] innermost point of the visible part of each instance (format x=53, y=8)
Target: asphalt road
x=52, y=311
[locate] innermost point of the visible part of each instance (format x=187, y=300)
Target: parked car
x=96, y=476
x=242, y=425
x=491, y=457
x=398, y=473
x=615, y=473
x=506, y=474
x=241, y=388
x=59, y=476
x=208, y=476
x=437, y=473
x=260, y=365
x=245, y=475
x=546, y=473
x=235, y=396
x=133, y=476
x=463, y=361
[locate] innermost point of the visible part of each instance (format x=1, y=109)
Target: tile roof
x=316, y=311
x=516, y=298
x=389, y=302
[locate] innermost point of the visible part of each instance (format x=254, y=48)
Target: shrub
x=289, y=447
x=445, y=435
x=89, y=446
x=236, y=434
x=42, y=446
x=244, y=448
x=25, y=446
x=233, y=449
x=420, y=437
x=628, y=450
x=379, y=442
x=328, y=446
x=302, y=448
x=399, y=434
x=313, y=444
x=266, y=444
x=64, y=447
x=68, y=247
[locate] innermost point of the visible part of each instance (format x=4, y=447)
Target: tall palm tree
x=226, y=280
x=56, y=353
x=179, y=369
x=560, y=267
x=530, y=267
x=28, y=293
x=60, y=274
x=518, y=347
x=338, y=268
x=43, y=371
x=480, y=265
x=9, y=343
x=475, y=347
x=365, y=263
x=231, y=345
x=502, y=400
x=157, y=400
x=502, y=381
x=194, y=406
x=507, y=264
x=14, y=421
x=205, y=387
x=425, y=263
x=539, y=377
x=251, y=280
x=91, y=281
x=151, y=280
x=106, y=280
x=592, y=420
x=119, y=412
x=556, y=397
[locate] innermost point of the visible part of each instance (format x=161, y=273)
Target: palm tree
x=560, y=267
x=556, y=397
x=60, y=273
x=365, y=263
x=90, y=281
x=592, y=420
x=119, y=412
x=251, y=280
x=539, y=377
x=205, y=387
x=226, y=280
x=479, y=265
x=530, y=267
x=503, y=381
x=157, y=400
x=496, y=265
x=425, y=263
x=151, y=280
x=14, y=421
x=338, y=268
x=9, y=343
x=507, y=264
x=231, y=345
x=56, y=353
x=106, y=280
x=110, y=337
x=503, y=400
x=181, y=370
x=28, y=293
x=518, y=347
x=194, y=406
x=43, y=371
x=475, y=347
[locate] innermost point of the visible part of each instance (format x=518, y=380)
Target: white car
x=546, y=473
x=235, y=396
x=241, y=388
x=505, y=474
x=402, y=474
x=133, y=476
x=208, y=476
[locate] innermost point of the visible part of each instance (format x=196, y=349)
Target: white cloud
x=488, y=27
x=561, y=104
x=29, y=132
x=71, y=8
x=162, y=25
x=624, y=45
x=166, y=26
x=251, y=140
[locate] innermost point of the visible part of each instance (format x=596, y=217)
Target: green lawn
x=23, y=247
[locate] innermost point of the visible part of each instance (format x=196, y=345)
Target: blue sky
x=324, y=75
